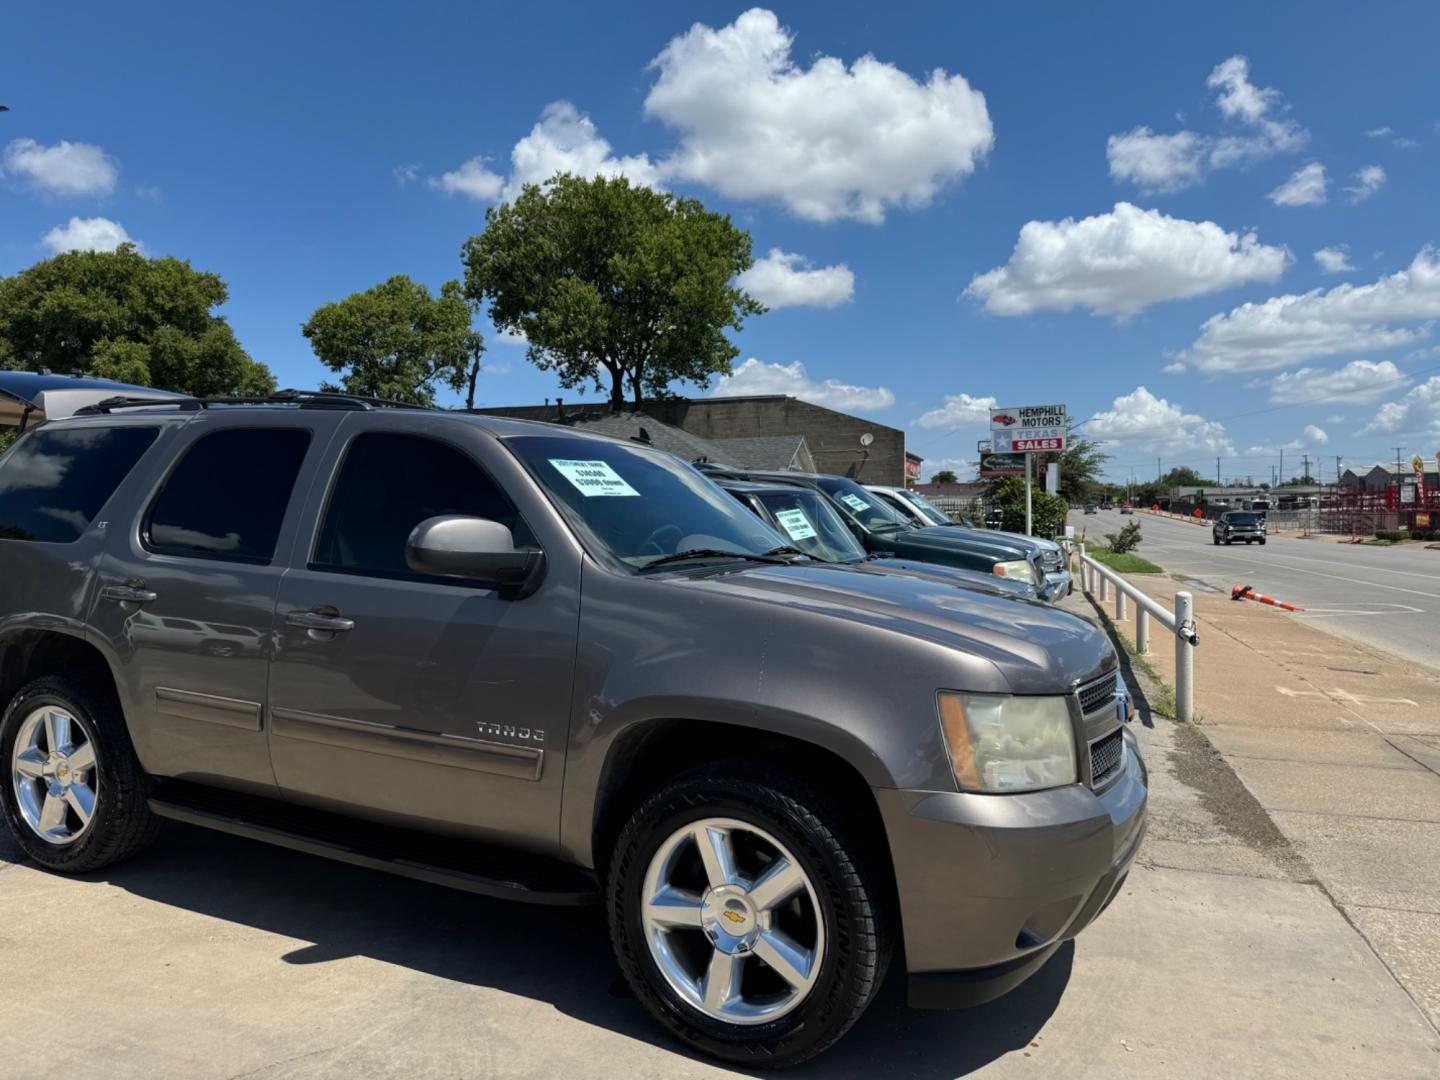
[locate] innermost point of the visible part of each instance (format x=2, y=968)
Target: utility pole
x=1339, y=467
x=1217, y=473
x=1282, y=467
x=1305, y=465
x=1157, y=470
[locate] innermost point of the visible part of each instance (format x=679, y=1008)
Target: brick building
x=833, y=442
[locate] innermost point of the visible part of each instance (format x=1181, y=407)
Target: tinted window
x=864, y=506
x=389, y=484
x=640, y=504
x=810, y=523
x=227, y=497
x=1242, y=519
x=55, y=481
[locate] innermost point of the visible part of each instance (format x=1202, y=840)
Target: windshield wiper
x=786, y=549
x=717, y=553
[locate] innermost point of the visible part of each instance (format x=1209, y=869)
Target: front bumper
x=1058, y=585
x=991, y=885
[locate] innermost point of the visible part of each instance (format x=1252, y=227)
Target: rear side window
x=55, y=481
x=388, y=484
x=227, y=497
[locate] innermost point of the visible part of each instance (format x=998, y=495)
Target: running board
x=531, y=879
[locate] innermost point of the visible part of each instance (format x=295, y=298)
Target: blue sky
x=1025, y=202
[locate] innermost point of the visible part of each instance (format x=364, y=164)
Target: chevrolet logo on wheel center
x=1029, y=429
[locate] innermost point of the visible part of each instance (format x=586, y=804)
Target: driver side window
x=388, y=484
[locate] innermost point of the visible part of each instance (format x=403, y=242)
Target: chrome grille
x=1097, y=695
x=1105, y=756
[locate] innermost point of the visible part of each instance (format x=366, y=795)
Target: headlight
x=1003, y=744
x=1019, y=570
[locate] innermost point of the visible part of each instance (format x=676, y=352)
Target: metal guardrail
x=1180, y=623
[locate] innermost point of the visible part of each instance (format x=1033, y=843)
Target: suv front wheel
x=746, y=917
x=73, y=793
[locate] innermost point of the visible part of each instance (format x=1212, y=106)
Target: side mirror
x=469, y=547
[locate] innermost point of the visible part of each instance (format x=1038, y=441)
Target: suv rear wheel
x=73, y=794
x=745, y=916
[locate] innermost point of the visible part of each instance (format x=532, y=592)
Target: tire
x=842, y=891
x=1215, y=540
x=1262, y=543
x=120, y=823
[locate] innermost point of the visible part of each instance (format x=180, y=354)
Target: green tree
x=1047, y=512
x=120, y=315
x=1184, y=476
x=944, y=476
x=609, y=281
x=398, y=341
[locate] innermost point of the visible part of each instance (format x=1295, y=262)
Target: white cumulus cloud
x=1260, y=129
x=1367, y=181
x=471, y=178
x=784, y=279
x=1346, y=319
x=1143, y=422
x=1357, y=381
x=87, y=234
x=1121, y=262
x=755, y=377
x=1306, y=187
x=829, y=140
x=1156, y=162
x=563, y=140
x=959, y=411
x=63, y=169
x=1334, y=260
x=566, y=140
x=1315, y=436
x=1417, y=413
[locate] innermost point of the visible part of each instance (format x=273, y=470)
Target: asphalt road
x=1384, y=597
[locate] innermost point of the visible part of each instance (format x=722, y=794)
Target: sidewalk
x=1340, y=745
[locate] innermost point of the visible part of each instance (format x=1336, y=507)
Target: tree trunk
x=617, y=388
x=474, y=377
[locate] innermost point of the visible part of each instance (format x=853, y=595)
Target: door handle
x=321, y=618
x=132, y=592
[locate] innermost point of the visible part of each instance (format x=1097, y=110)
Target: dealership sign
x=1033, y=428
x=992, y=465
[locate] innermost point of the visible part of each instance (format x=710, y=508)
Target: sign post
x=1028, y=430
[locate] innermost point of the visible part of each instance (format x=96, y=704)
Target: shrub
x=1127, y=539
x=1390, y=534
x=1424, y=534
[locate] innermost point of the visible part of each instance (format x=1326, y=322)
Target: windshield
x=865, y=507
x=1242, y=519
x=810, y=523
x=639, y=505
x=929, y=509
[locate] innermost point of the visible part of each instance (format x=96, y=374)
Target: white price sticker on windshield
x=795, y=523
x=593, y=477
x=854, y=501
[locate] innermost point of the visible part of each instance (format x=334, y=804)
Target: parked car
x=809, y=521
x=923, y=512
x=1236, y=525
x=881, y=529
x=547, y=665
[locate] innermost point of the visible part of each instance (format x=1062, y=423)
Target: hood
x=28, y=399
x=1037, y=648
x=950, y=575
x=947, y=538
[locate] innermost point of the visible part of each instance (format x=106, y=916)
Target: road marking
x=1344, y=697
x=1330, y=613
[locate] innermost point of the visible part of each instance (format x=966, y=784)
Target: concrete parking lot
x=212, y=956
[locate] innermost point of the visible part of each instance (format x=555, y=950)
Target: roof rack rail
x=305, y=399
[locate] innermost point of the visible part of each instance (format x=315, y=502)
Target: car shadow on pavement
x=549, y=954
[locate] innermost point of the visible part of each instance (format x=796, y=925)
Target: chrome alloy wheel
x=53, y=769
x=732, y=921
